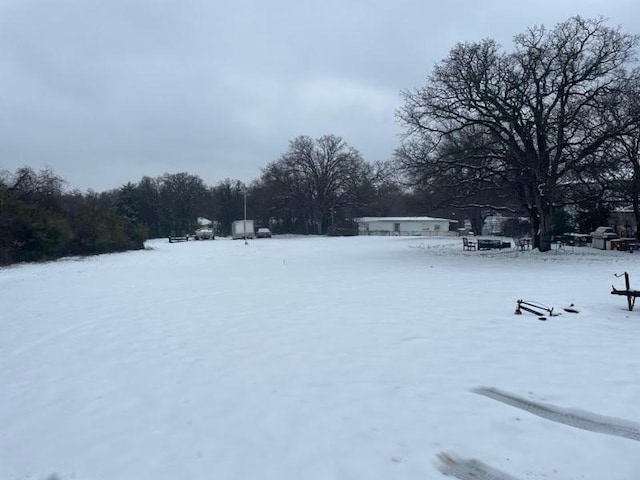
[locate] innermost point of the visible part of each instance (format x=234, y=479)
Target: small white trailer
x=238, y=229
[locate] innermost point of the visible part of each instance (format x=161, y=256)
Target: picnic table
x=178, y=238
x=624, y=244
x=490, y=243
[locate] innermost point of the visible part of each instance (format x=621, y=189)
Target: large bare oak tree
x=527, y=123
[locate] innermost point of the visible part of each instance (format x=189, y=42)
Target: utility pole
x=245, y=214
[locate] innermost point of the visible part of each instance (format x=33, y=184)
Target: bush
x=32, y=229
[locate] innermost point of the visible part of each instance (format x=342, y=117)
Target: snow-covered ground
x=314, y=358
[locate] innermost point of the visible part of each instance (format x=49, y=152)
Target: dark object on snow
x=488, y=244
x=627, y=292
x=538, y=309
x=182, y=238
x=571, y=309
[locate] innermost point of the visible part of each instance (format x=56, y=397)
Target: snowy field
x=317, y=359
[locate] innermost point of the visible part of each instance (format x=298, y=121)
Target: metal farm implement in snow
x=538, y=309
x=627, y=292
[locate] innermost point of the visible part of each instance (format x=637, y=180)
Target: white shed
x=404, y=226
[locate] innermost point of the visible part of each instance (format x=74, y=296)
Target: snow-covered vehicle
x=204, y=234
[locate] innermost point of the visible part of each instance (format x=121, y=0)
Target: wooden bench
x=627, y=292
x=182, y=238
x=468, y=244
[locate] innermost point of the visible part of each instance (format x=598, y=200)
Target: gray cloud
x=106, y=92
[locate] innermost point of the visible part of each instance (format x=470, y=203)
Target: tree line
x=39, y=221
x=549, y=131
x=316, y=187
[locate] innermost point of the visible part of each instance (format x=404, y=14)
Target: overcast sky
x=107, y=91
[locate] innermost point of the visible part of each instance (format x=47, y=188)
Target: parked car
x=263, y=233
x=204, y=234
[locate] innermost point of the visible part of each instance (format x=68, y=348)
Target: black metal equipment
x=627, y=292
x=538, y=309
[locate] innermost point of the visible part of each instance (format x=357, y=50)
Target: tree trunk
x=636, y=215
x=544, y=230
x=636, y=199
x=540, y=218
x=477, y=220
x=534, y=218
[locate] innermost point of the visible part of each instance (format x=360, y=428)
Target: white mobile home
x=404, y=226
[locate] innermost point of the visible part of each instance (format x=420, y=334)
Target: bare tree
x=625, y=181
x=227, y=197
x=315, y=178
x=181, y=196
x=524, y=123
x=43, y=187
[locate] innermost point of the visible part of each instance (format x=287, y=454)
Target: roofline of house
x=403, y=219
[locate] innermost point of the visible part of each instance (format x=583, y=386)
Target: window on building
x=396, y=227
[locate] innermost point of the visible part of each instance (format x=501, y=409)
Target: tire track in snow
x=572, y=417
x=469, y=469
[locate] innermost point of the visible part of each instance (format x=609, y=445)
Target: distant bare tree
x=624, y=181
x=316, y=178
x=148, y=208
x=630, y=150
x=181, y=199
x=43, y=187
x=228, y=199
